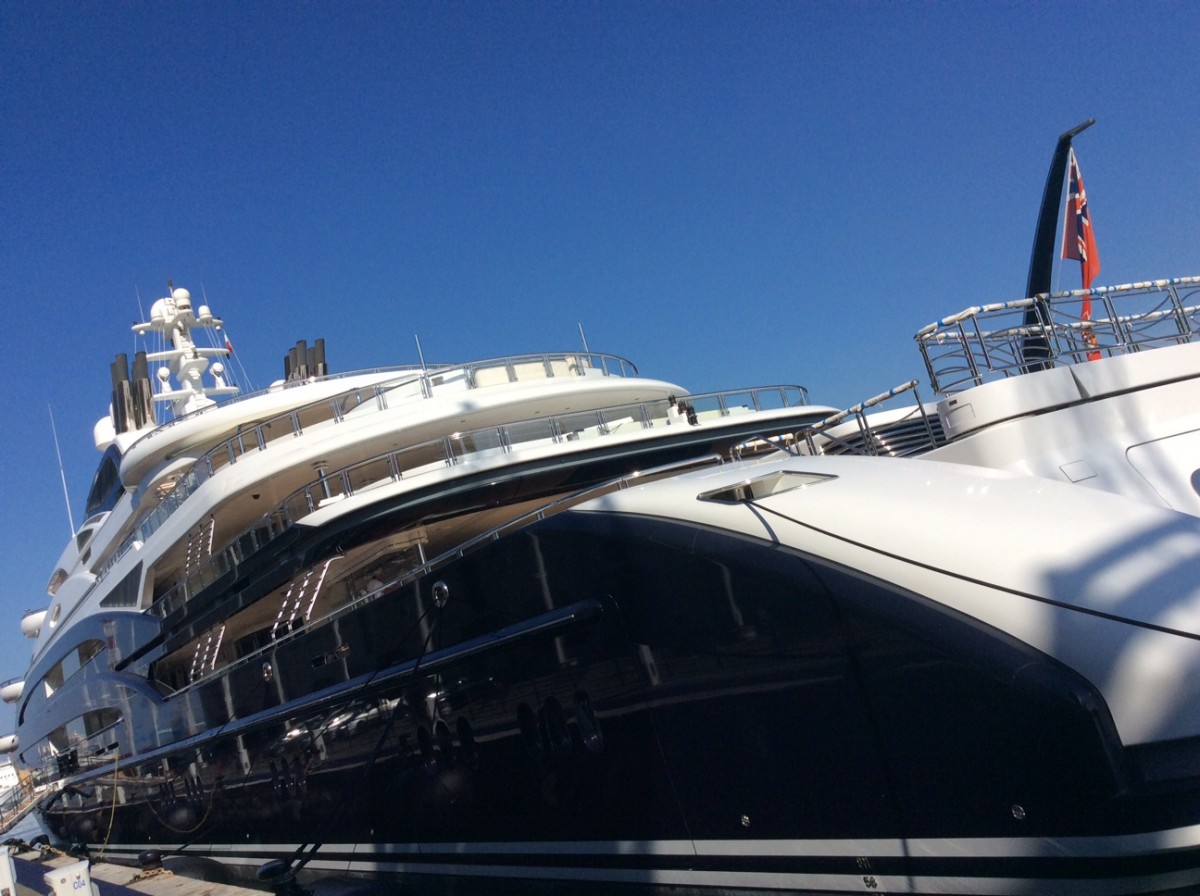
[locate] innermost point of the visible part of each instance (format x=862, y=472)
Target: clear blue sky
x=728, y=194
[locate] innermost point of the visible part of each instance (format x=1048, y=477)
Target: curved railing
x=611, y=365
x=276, y=387
x=359, y=401
x=425, y=565
x=901, y=433
x=994, y=341
x=451, y=450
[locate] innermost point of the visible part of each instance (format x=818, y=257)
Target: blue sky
x=728, y=194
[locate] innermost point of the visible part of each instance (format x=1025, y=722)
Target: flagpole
x=1035, y=349
x=1079, y=243
x=1041, y=260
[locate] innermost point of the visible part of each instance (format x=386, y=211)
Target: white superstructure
x=1108, y=403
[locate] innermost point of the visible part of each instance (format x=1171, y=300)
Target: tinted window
x=739, y=652
x=125, y=593
x=106, y=486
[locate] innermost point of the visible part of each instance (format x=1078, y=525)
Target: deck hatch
x=764, y=486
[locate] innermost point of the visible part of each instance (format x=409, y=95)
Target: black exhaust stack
x=303, y=362
x=122, y=399
x=143, y=393
x=316, y=358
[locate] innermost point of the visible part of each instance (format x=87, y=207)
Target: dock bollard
x=8, y=875
x=71, y=880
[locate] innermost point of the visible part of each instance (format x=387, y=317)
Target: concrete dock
x=115, y=880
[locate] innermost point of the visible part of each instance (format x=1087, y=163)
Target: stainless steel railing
x=460, y=448
x=991, y=342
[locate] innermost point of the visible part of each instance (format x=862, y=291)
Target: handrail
x=19, y=802
x=620, y=364
x=448, y=451
x=914, y=432
x=276, y=387
x=539, y=513
x=335, y=408
x=834, y=419
x=985, y=343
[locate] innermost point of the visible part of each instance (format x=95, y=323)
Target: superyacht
x=541, y=623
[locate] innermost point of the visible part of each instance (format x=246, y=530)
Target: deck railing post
x=968, y=352
x=1110, y=315
x=1180, y=315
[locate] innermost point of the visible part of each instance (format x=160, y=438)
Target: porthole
x=55, y=613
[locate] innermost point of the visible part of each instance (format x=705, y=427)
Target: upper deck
x=317, y=399
x=1007, y=339
x=1031, y=354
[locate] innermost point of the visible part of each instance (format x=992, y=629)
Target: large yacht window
x=71, y=663
x=106, y=486
x=56, y=580
x=125, y=594
x=79, y=741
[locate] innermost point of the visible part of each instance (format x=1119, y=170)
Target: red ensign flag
x=1080, y=243
x=1078, y=240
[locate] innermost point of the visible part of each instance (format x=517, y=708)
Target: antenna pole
x=420, y=354
x=62, y=473
x=586, y=350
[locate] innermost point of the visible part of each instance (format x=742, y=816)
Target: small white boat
x=10, y=691
x=31, y=623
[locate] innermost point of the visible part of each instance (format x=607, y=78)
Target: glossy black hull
x=627, y=702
